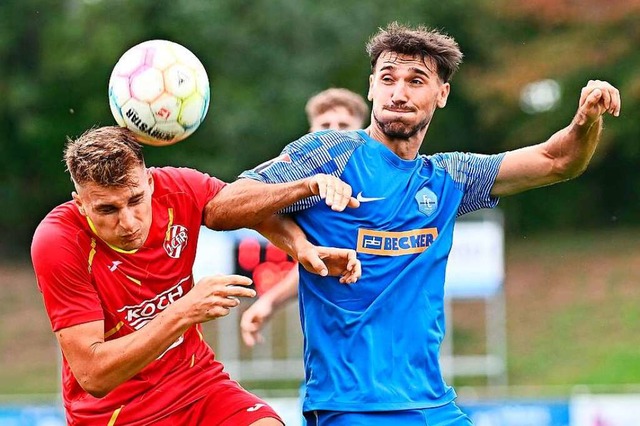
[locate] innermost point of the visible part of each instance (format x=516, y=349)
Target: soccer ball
x=160, y=91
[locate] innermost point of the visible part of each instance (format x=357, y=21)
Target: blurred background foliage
x=265, y=59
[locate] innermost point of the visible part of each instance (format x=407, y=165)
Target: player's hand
x=254, y=319
x=214, y=296
x=332, y=261
x=597, y=98
x=336, y=193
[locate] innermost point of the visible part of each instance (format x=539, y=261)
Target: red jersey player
x=114, y=266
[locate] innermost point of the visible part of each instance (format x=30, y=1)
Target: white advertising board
x=476, y=262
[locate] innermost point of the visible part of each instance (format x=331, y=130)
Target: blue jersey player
x=371, y=348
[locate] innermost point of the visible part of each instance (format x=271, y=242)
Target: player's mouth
x=131, y=236
x=398, y=109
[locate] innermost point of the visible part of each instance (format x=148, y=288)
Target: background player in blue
x=371, y=348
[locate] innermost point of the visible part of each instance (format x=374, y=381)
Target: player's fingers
x=247, y=338
x=230, y=291
x=314, y=264
x=221, y=280
x=251, y=337
x=247, y=321
x=355, y=268
x=352, y=260
x=336, y=202
x=225, y=301
x=330, y=194
x=321, y=181
x=584, y=94
x=593, y=98
x=353, y=203
x=343, y=196
x=605, y=99
x=237, y=280
x=218, y=312
x=591, y=109
x=615, y=102
x=351, y=276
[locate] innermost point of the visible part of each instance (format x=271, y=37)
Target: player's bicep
x=524, y=169
x=238, y=205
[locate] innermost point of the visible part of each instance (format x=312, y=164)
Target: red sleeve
x=61, y=269
x=200, y=186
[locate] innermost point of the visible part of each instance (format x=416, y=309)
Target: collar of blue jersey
x=388, y=154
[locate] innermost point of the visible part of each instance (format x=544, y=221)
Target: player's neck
x=405, y=148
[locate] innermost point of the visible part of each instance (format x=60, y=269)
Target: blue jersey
x=374, y=345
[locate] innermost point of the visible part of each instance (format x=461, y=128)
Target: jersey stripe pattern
x=374, y=345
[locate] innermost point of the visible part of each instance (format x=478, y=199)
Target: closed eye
x=136, y=200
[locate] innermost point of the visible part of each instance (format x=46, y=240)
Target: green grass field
x=572, y=310
x=572, y=316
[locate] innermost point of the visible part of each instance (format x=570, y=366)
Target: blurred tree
x=556, y=40
x=266, y=58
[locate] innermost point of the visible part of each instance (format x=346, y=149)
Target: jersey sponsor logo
x=364, y=199
x=256, y=407
x=427, y=201
x=387, y=243
x=137, y=316
x=176, y=241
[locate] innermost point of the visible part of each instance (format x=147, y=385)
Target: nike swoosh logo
x=256, y=407
x=362, y=199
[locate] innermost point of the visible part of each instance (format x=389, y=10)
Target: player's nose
x=399, y=94
x=127, y=219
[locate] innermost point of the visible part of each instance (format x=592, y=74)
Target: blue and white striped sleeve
x=322, y=152
x=474, y=175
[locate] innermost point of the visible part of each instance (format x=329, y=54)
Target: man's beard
x=399, y=130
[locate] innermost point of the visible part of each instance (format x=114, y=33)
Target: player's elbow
x=95, y=390
x=94, y=385
x=97, y=393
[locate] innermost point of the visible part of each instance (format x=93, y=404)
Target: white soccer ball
x=160, y=91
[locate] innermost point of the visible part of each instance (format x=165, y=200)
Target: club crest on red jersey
x=176, y=241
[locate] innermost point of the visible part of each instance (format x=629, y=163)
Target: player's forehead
x=113, y=196
x=98, y=194
x=338, y=111
x=389, y=61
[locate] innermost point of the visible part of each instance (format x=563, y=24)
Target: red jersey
x=83, y=279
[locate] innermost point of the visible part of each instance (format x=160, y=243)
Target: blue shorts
x=446, y=415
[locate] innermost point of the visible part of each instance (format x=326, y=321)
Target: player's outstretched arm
x=246, y=202
x=100, y=366
x=254, y=318
x=567, y=153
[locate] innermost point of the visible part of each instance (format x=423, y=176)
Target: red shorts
x=227, y=405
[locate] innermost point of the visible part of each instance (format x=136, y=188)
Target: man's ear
x=445, y=89
x=78, y=202
x=369, y=96
x=150, y=181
